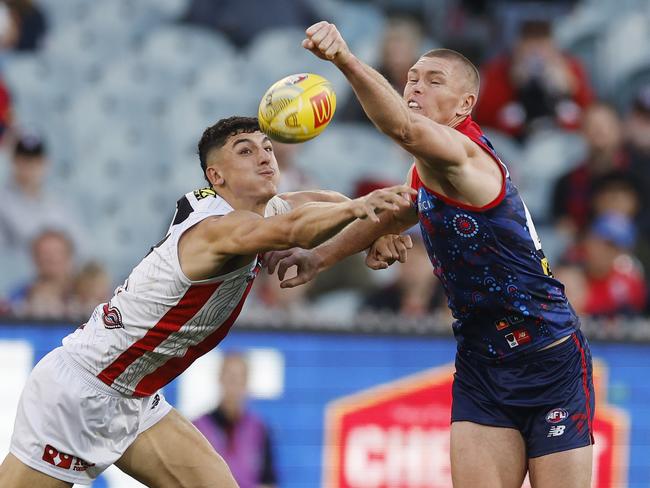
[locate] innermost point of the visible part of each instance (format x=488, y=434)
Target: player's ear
x=214, y=175
x=467, y=104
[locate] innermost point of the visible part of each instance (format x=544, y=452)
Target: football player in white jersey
x=95, y=401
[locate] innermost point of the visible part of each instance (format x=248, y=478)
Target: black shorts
x=546, y=395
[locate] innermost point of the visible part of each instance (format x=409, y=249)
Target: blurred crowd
x=597, y=219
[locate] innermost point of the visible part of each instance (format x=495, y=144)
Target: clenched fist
x=325, y=41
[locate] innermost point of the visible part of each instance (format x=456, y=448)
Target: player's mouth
x=267, y=172
x=414, y=105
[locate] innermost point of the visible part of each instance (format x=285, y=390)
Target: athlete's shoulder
x=199, y=202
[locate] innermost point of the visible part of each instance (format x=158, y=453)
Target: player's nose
x=265, y=158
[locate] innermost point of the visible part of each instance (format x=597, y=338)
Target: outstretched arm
x=435, y=144
x=353, y=239
x=206, y=248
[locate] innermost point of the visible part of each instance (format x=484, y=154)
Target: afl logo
x=556, y=416
x=465, y=225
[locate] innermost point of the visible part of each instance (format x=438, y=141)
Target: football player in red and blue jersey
x=523, y=397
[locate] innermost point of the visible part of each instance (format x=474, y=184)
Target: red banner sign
x=396, y=435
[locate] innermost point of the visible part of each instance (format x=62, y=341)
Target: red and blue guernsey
x=490, y=261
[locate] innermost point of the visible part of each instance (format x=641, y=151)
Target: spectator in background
x=92, y=285
x=616, y=192
x=400, y=50
x=573, y=192
x=574, y=279
x=615, y=283
x=235, y=432
x=637, y=134
x=29, y=24
x=49, y=294
x=242, y=21
x=27, y=206
x=8, y=28
x=415, y=291
x=534, y=85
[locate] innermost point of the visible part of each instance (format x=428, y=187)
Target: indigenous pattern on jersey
x=159, y=321
x=498, y=282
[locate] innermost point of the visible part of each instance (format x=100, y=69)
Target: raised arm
x=433, y=143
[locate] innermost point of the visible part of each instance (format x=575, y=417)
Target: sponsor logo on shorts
x=518, y=337
x=556, y=431
x=64, y=460
x=112, y=317
x=156, y=401
x=81, y=465
x=501, y=324
x=556, y=416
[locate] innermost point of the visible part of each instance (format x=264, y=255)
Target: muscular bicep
x=437, y=146
x=246, y=233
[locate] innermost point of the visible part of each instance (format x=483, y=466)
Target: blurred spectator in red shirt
x=573, y=192
x=536, y=84
x=573, y=277
x=615, y=283
x=49, y=294
x=400, y=49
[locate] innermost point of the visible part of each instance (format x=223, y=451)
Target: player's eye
x=412, y=80
x=269, y=149
x=245, y=151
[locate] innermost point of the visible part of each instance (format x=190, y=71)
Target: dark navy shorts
x=547, y=395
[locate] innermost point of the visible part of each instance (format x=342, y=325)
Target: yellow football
x=297, y=108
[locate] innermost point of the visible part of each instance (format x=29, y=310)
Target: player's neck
x=238, y=202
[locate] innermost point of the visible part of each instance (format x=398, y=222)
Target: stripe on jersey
x=194, y=298
x=175, y=366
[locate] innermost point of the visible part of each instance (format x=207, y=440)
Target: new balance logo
x=156, y=401
x=556, y=431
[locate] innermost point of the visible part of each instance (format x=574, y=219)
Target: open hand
x=308, y=265
x=394, y=198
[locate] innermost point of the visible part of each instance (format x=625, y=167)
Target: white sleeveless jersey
x=158, y=322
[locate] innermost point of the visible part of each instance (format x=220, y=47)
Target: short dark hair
x=472, y=71
x=216, y=136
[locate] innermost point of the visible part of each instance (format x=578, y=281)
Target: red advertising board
x=396, y=435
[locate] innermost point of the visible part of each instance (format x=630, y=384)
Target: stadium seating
x=347, y=153
x=615, y=58
x=123, y=93
x=547, y=156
